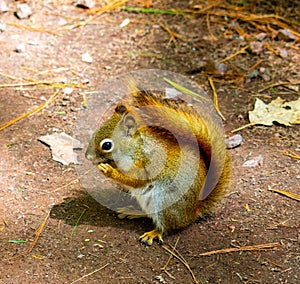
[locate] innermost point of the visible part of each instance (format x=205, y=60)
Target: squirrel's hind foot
x=130, y=212
x=148, y=237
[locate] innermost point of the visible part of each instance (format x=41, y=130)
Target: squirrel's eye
x=107, y=145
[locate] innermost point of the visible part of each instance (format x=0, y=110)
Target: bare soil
x=102, y=248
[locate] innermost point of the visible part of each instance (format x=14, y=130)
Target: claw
x=148, y=237
x=105, y=168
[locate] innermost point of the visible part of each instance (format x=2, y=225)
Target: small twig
x=245, y=248
x=242, y=127
x=215, y=97
x=95, y=13
x=213, y=37
x=168, y=261
x=153, y=11
x=35, y=110
x=254, y=66
x=279, y=84
x=89, y=274
x=185, y=90
x=73, y=181
x=38, y=233
x=267, y=46
x=4, y=221
x=66, y=185
x=291, y=154
x=173, y=35
x=183, y=261
x=34, y=29
x=286, y=193
x=234, y=54
x=11, y=77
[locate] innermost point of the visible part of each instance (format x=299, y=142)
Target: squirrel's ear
x=120, y=109
x=130, y=124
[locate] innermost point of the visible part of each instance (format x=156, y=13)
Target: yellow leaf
x=278, y=110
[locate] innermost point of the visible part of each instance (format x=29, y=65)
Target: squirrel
x=167, y=155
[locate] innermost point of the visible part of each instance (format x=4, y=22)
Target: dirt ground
x=84, y=242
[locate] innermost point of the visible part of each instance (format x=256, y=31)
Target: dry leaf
x=62, y=146
x=278, y=110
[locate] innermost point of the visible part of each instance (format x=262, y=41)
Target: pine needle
x=185, y=90
x=38, y=233
x=234, y=54
x=182, y=260
x=242, y=127
x=291, y=154
x=216, y=103
x=152, y=11
x=35, y=110
x=245, y=248
x=89, y=274
x=286, y=193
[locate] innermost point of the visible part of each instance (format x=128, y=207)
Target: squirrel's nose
x=90, y=155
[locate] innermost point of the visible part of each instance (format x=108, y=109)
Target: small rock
x=34, y=42
x=85, y=4
x=23, y=11
x=253, y=74
x=256, y=47
x=3, y=7
x=234, y=141
x=20, y=48
x=283, y=52
x=265, y=73
x=286, y=35
x=221, y=67
x=124, y=23
x=266, y=77
x=86, y=57
x=160, y=279
x=172, y=93
x=62, y=22
x=68, y=90
x=253, y=162
x=261, y=36
x=2, y=26
x=85, y=81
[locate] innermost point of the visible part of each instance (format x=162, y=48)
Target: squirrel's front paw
x=148, y=237
x=105, y=169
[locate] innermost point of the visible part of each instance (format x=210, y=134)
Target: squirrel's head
x=112, y=139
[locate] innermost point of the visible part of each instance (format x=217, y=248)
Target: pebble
x=261, y=36
x=68, y=90
x=253, y=162
x=283, y=52
x=23, y=11
x=20, y=48
x=2, y=26
x=3, y=7
x=86, y=57
x=256, y=47
x=234, y=141
x=221, y=68
x=87, y=4
x=286, y=35
x=124, y=23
